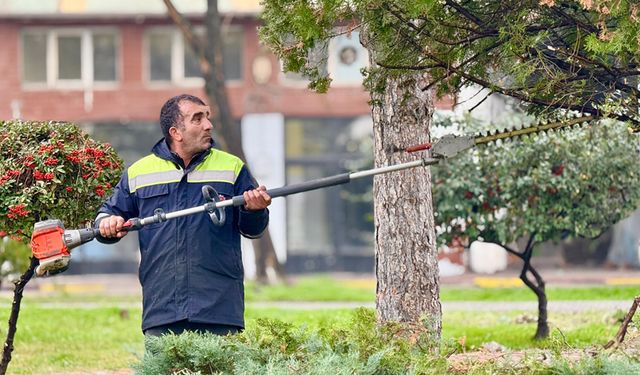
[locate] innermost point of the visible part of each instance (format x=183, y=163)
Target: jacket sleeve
x=120, y=203
x=250, y=223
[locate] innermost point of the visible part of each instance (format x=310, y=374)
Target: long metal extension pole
x=291, y=189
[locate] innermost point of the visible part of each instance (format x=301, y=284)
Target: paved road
x=447, y=306
x=565, y=306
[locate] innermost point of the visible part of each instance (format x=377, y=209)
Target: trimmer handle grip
x=132, y=225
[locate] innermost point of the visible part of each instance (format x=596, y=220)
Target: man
x=190, y=270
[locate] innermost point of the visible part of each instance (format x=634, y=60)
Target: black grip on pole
x=88, y=234
x=283, y=191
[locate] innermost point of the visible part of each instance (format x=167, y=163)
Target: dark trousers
x=185, y=325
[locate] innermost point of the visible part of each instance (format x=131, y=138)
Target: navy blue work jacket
x=190, y=268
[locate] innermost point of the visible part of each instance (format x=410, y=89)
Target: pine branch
x=467, y=14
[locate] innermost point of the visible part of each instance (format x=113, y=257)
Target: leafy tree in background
x=47, y=170
x=550, y=187
x=405, y=248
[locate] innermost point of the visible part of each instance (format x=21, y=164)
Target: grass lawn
x=75, y=332
x=326, y=288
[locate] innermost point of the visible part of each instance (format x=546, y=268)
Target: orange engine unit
x=46, y=240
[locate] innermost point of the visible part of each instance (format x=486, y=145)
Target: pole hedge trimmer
x=51, y=243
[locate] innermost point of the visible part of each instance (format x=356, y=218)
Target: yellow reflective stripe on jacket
x=218, y=166
x=212, y=176
x=152, y=170
x=154, y=179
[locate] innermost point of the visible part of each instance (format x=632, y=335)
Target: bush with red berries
x=51, y=170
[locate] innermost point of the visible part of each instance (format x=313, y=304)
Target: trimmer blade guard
x=52, y=266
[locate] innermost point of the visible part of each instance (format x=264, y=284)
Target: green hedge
x=274, y=347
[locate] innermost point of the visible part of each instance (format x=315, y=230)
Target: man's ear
x=175, y=134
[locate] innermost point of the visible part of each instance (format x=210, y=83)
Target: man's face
x=196, y=127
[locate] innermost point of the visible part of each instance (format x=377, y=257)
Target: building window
x=160, y=56
x=104, y=57
x=171, y=59
x=34, y=57
x=69, y=57
x=337, y=220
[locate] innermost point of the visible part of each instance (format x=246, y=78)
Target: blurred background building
x=108, y=66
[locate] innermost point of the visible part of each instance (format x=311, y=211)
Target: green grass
x=626, y=292
x=317, y=288
x=58, y=333
x=106, y=338
x=57, y=339
x=326, y=288
x=576, y=330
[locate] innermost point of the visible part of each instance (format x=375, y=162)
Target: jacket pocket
x=151, y=198
x=153, y=191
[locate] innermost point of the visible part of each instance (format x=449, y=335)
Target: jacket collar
x=162, y=150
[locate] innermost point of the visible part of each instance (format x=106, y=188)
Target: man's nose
x=207, y=124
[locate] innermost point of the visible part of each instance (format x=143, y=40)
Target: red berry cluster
x=557, y=170
x=74, y=156
x=17, y=210
x=29, y=161
x=44, y=148
x=10, y=174
x=48, y=176
x=51, y=161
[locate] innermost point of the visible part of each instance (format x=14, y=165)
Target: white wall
x=264, y=148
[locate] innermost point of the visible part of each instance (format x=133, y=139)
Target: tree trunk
x=15, y=313
x=405, y=247
x=542, y=330
x=214, y=82
x=266, y=259
x=537, y=286
x=230, y=131
x=229, y=134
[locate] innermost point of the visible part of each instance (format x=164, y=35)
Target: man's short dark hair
x=170, y=113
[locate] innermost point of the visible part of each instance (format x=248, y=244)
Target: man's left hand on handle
x=256, y=199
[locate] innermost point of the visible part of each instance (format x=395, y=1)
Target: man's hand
x=111, y=226
x=258, y=199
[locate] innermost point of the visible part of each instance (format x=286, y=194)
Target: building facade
x=110, y=65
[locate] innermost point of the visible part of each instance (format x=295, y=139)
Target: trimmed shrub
x=275, y=347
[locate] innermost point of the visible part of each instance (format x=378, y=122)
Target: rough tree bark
x=15, y=313
x=406, y=256
x=537, y=285
x=209, y=52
